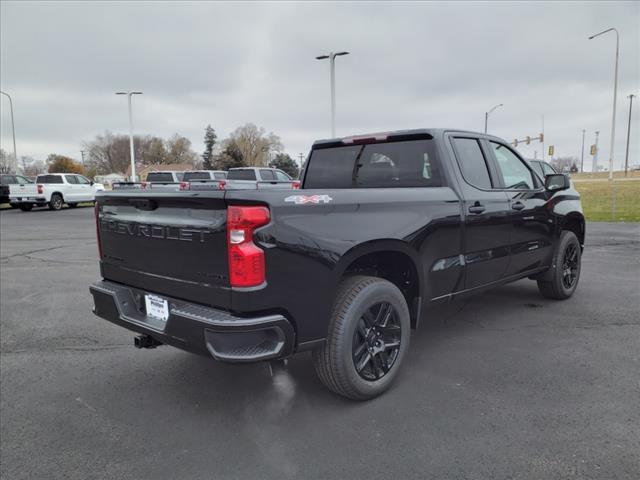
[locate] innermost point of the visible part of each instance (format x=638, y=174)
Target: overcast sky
x=411, y=65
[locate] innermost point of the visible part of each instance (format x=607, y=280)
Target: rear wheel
x=56, y=202
x=368, y=338
x=565, y=269
x=26, y=207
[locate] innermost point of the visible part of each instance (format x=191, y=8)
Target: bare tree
x=255, y=145
x=179, y=150
x=8, y=162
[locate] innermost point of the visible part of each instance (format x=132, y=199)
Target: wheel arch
x=575, y=223
x=392, y=260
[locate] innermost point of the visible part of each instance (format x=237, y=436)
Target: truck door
x=532, y=224
x=486, y=212
x=71, y=192
x=86, y=191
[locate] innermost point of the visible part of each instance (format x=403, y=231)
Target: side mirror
x=556, y=182
x=91, y=182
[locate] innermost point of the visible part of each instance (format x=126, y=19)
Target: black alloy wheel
x=376, y=341
x=570, y=266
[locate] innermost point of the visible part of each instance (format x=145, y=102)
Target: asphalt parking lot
x=505, y=385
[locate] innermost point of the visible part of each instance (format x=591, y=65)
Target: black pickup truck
x=383, y=226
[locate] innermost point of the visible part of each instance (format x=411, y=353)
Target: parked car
x=11, y=183
x=54, y=190
x=259, y=178
x=384, y=227
x=542, y=168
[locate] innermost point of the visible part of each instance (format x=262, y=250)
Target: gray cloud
x=412, y=65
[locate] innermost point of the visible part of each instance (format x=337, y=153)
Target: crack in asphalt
x=45, y=260
x=79, y=348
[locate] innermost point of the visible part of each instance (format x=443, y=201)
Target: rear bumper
x=196, y=328
x=26, y=199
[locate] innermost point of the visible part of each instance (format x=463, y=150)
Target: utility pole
x=582, y=157
x=131, y=149
x=615, y=96
x=626, y=156
x=332, y=72
x=82, y=152
x=13, y=126
x=301, y=157
x=594, y=167
x=544, y=158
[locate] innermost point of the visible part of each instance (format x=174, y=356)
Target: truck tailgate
x=171, y=243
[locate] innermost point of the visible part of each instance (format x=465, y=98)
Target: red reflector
x=221, y=184
x=143, y=185
x=184, y=185
x=295, y=184
x=246, y=259
x=40, y=189
x=97, y=214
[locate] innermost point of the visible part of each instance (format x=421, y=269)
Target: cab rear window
x=241, y=175
x=49, y=179
x=159, y=177
x=411, y=163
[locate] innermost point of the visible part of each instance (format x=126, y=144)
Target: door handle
x=477, y=208
x=518, y=206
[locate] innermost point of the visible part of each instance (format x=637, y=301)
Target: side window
x=83, y=180
x=514, y=172
x=472, y=162
x=283, y=177
x=537, y=167
x=548, y=169
x=267, y=175
x=72, y=179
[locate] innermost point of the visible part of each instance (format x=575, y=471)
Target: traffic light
x=542, y=137
x=592, y=150
x=528, y=140
x=551, y=150
x=515, y=142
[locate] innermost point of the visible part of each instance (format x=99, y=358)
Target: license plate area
x=157, y=309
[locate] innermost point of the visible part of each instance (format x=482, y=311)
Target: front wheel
x=56, y=202
x=367, y=340
x=565, y=269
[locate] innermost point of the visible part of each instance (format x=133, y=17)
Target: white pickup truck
x=54, y=190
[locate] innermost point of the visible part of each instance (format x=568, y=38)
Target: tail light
x=40, y=188
x=184, y=185
x=97, y=213
x=246, y=259
x=221, y=184
x=143, y=185
x=295, y=184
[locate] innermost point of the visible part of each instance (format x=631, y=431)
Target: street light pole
x=131, y=149
x=594, y=166
x=582, y=156
x=615, y=96
x=486, y=116
x=626, y=156
x=13, y=126
x=332, y=72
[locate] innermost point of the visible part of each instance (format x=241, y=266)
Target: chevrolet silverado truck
x=54, y=190
x=383, y=227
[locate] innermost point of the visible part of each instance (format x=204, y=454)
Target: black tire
x=353, y=330
x=13, y=205
x=26, y=207
x=72, y=205
x=565, y=269
x=56, y=202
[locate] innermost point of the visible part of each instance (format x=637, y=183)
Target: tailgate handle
x=143, y=203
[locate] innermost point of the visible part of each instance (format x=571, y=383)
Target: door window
x=548, y=169
x=267, y=175
x=72, y=179
x=472, y=162
x=515, y=174
x=283, y=177
x=83, y=180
